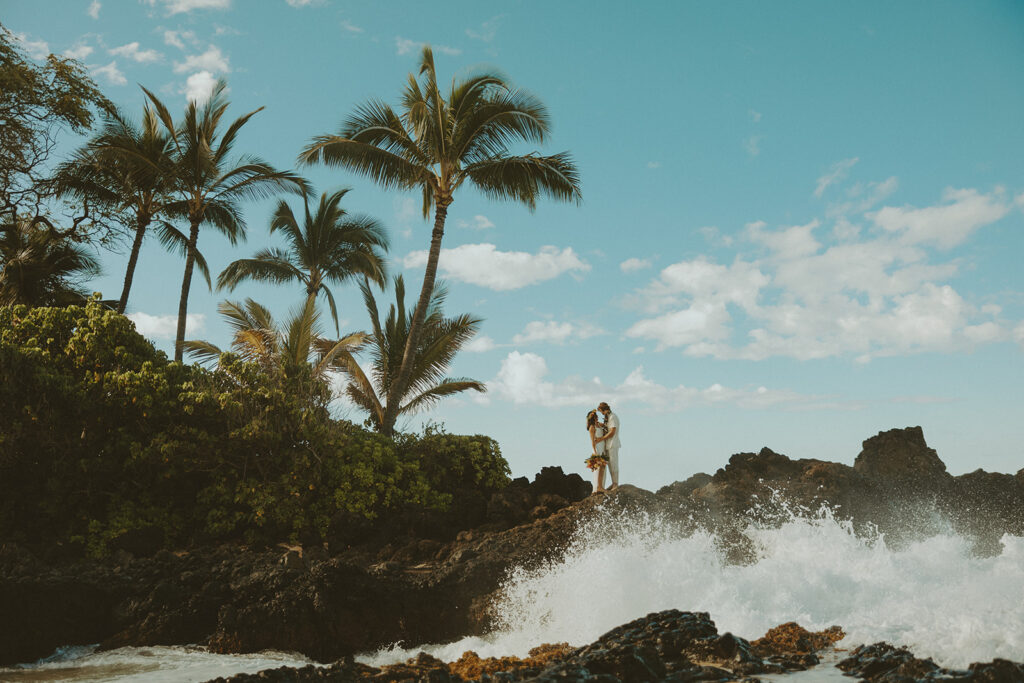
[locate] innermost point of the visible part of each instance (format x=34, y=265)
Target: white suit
x=612, y=446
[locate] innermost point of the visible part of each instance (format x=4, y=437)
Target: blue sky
x=802, y=221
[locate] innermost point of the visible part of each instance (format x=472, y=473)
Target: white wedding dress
x=599, y=431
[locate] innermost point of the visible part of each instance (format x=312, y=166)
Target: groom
x=611, y=439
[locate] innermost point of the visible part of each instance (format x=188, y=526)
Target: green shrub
x=102, y=436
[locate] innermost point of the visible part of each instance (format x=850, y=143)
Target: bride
x=597, y=430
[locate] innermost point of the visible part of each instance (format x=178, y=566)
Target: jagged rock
x=683, y=489
x=901, y=455
x=414, y=579
x=553, y=480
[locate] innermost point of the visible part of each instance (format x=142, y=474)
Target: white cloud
x=653, y=164
x=487, y=31
x=304, y=3
x=350, y=27
x=177, y=38
x=555, y=332
x=480, y=344
x=631, y=265
x=862, y=197
x=863, y=298
x=184, y=6
x=111, y=73
x=213, y=60
x=753, y=145
x=166, y=326
x=406, y=46
x=485, y=266
x=714, y=236
x=480, y=222
x=94, y=9
x=702, y=280
x=791, y=242
x=199, y=86
x=1018, y=334
x=79, y=51
x=691, y=326
x=522, y=379
x=36, y=49
x=755, y=116
x=946, y=225
x=132, y=51
x=834, y=175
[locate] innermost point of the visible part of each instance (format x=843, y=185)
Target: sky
x=802, y=222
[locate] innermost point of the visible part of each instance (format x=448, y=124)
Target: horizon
x=800, y=225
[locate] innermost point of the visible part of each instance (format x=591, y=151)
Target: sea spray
x=931, y=594
x=157, y=664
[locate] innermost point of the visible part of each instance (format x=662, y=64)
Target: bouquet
x=595, y=461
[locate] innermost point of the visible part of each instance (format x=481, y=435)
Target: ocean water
x=931, y=594
x=145, y=665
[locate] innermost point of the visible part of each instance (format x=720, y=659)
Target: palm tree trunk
x=186, y=285
x=129, y=275
x=399, y=386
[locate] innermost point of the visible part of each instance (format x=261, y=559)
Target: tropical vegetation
x=441, y=340
x=135, y=179
x=41, y=267
x=105, y=443
x=437, y=143
x=209, y=185
x=329, y=246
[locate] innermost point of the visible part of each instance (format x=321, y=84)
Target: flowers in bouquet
x=595, y=461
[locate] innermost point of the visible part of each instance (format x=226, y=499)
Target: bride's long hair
x=591, y=419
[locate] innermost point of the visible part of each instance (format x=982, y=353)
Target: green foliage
x=37, y=102
x=455, y=461
x=102, y=437
x=330, y=246
x=41, y=267
x=436, y=142
x=442, y=338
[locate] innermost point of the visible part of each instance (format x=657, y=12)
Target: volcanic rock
x=885, y=663
x=901, y=455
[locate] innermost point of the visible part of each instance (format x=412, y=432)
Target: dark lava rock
x=901, y=455
x=665, y=646
x=885, y=663
x=420, y=577
x=685, y=488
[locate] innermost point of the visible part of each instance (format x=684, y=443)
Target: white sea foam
x=932, y=594
x=145, y=665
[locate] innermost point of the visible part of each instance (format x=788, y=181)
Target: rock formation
x=417, y=580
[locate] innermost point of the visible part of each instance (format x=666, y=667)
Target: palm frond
x=525, y=178
x=387, y=169
x=203, y=351
x=267, y=265
x=447, y=387
x=176, y=241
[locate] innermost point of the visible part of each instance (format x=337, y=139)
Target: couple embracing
x=604, y=437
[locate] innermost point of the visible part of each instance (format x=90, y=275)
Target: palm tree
x=440, y=342
x=330, y=246
x=138, y=182
x=286, y=349
x=437, y=144
x=39, y=267
x=207, y=187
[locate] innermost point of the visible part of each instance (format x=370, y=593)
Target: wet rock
x=880, y=661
